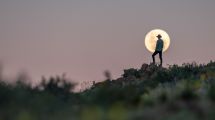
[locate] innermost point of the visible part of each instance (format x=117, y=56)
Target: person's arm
x=157, y=45
x=162, y=44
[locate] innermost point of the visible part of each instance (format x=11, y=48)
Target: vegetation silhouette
x=153, y=93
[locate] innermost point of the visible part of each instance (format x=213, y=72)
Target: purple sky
x=83, y=38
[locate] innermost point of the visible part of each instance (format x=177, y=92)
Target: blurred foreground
x=184, y=92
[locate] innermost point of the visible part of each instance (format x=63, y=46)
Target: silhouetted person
x=158, y=49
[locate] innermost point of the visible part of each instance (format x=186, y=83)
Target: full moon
x=151, y=40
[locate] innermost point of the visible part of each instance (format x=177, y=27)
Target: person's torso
x=159, y=45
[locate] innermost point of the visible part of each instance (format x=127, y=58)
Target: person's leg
x=161, y=58
x=153, y=56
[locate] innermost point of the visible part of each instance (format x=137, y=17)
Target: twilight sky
x=85, y=37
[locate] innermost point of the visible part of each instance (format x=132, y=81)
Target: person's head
x=159, y=36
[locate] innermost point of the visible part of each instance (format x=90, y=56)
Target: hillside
x=151, y=93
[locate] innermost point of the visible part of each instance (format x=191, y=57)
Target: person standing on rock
x=158, y=50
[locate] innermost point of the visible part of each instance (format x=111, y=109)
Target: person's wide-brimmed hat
x=159, y=36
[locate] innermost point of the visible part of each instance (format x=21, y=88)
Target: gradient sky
x=85, y=37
